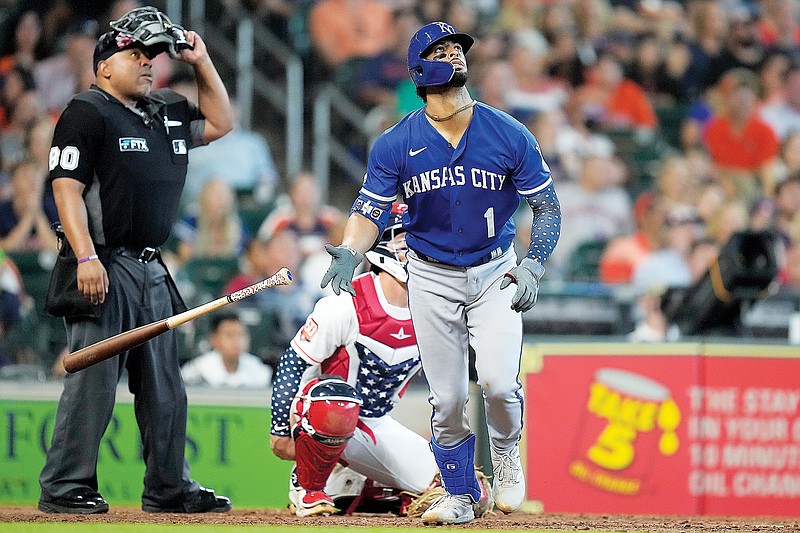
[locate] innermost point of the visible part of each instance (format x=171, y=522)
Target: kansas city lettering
x=451, y=177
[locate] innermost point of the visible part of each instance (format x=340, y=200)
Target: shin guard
x=315, y=461
x=457, y=466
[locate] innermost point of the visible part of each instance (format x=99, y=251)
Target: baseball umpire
x=117, y=165
x=461, y=167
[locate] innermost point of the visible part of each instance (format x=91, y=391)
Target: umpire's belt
x=143, y=255
x=497, y=252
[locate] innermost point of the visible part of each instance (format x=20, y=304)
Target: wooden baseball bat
x=108, y=348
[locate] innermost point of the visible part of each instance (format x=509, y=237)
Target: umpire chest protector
x=140, y=168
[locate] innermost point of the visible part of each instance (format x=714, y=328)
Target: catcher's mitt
x=422, y=501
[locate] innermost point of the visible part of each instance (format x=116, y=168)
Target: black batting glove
x=344, y=260
x=526, y=276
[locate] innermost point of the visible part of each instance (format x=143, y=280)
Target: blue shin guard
x=457, y=466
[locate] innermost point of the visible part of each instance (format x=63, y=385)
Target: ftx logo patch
x=133, y=144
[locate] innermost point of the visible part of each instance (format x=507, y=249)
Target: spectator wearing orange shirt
x=612, y=101
x=347, y=29
x=622, y=254
x=743, y=148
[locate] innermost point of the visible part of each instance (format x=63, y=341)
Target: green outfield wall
x=227, y=445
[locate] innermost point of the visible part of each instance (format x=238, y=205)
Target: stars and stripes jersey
x=460, y=199
x=365, y=340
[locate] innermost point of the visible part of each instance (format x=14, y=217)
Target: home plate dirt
x=516, y=521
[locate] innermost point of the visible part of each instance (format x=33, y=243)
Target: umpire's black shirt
x=132, y=161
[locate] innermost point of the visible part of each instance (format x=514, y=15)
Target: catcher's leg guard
x=457, y=466
x=327, y=411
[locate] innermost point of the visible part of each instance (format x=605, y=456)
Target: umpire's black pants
x=139, y=293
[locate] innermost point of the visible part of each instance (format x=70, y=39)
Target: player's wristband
x=87, y=258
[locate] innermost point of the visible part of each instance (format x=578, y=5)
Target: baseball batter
x=462, y=167
x=368, y=343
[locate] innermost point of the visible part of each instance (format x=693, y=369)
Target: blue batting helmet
x=426, y=73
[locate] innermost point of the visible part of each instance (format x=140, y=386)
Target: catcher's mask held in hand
x=389, y=253
x=328, y=410
x=153, y=29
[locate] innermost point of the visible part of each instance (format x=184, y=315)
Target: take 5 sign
x=663, y=429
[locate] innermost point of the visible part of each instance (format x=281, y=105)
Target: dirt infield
x=517, y=521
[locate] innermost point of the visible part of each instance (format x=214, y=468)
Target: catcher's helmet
x=146, y=27
x=389, y=254
x=328, y=409
x=426, y=73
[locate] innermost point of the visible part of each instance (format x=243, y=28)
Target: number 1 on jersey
x=489, y=216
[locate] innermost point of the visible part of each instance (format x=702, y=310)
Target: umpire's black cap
x=112, y=42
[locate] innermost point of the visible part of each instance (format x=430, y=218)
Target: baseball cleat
x=311, y=503
x=508, y=488
x=449, y=509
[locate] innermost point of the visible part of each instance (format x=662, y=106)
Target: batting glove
x=344, y=260
x=526, y=276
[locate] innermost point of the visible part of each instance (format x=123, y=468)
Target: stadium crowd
x=668, y=126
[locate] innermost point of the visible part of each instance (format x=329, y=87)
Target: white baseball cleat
x=449, y=509
x=508, y=487
x=311, y=503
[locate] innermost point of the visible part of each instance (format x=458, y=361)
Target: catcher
x=334, y=389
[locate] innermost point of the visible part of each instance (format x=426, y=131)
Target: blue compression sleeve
x=285, y=386
x=546, y=224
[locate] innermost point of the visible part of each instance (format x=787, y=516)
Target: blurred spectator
x=710, y=197
x=743, y=49
x=60, y=76
x=789, y=163
x=302, y=211
x=703, y=251
x=787, y=203
x=675, y=184
x=569, y=58
x=623, y=253
x=37, y=145
x=727, y=220
x=494, y=83
x=515, y=15
x=659, y=68
x=743, y=147
x=241, y=158
x=24, y=114
x=779, y=26
x=348, y=29
x=593, y=208
x=214, y=228
x=790, y=277
x=548, y=127
x=611, y=101
x=16, y=82
x=772, y=79
x=25, y=219
x=379, y=76
x=11, y=295
x=533, y=90
x=709, y=25
x=288, y=305
x=228, y=364
x=27, y=34
x=784, y=116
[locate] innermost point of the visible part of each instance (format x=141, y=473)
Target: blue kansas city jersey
x=461, y=199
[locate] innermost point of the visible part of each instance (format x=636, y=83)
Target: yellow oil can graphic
x=630, y=422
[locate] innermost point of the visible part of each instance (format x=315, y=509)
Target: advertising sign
x=637, y=429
